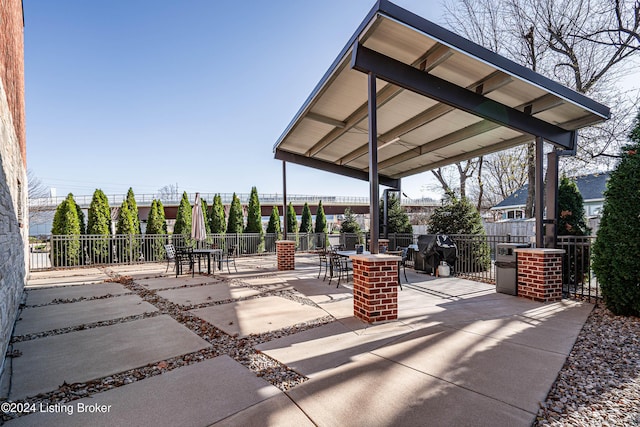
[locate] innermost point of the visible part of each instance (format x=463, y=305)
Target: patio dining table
x=215, y=253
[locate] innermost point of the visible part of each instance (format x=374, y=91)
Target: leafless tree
x=169, y=193
x=587, y=45
x=38, y=212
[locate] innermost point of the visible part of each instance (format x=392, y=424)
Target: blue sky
x=144, y=94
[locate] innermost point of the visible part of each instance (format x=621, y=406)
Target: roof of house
x=591, y=187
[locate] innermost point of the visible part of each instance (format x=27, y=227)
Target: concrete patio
x=459, y=354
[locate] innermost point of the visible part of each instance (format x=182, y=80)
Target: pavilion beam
x=487, y=85
x=398, y=73
x=333, y=168
x=469, y=155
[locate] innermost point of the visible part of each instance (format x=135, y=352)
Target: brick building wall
x=12, y=66
x=13, y=174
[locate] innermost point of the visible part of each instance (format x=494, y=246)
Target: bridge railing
x=265, y=199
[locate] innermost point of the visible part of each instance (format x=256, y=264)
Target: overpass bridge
x=333, y=205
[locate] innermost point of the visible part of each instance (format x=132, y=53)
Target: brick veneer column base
x=375, y=287
x=286, y=254
x=540, y=274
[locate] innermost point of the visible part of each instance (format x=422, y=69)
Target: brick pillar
x=381, y=243
x=286, y=254
x=375, y=287
x=540, y=274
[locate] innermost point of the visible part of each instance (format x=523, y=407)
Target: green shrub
x=572, y=222
x=66, y=223
x=156, y=227
x=306, y=220
x=459, y=216
x=617, y=248
x=236, y=220
x=99, y=224
x=397, y=218
x=273, y=230
x=217, y=221
x=183, y=217
x=133, y=211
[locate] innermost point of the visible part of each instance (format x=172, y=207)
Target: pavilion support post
x=284, y=198
x=539, y=197
x=374, y=191
x=551, y=195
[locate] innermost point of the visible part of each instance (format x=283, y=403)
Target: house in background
x=14, y=224
x=591, y=187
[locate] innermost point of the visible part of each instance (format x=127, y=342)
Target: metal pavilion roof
x=440, y=99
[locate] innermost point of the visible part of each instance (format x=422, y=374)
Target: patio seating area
x=258, y=346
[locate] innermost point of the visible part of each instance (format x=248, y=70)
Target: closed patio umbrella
x=198, y=230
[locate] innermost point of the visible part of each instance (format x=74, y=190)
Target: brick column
x=286, y=254
x=381, y=243
x=540, y=274
x=375, y=287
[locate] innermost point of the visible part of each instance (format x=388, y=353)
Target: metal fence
x=476, y=254
x=90, y=250
x=578, y=279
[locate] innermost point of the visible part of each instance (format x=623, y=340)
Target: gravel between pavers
x=241, y=350
x=599, y=385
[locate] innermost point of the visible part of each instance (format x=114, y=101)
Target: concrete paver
x=80, y=356
x=55, y=316
x=213, y=292
x=67, y=277
x=47, y=295
x=487, y=366
x=256, y=316
x=318, y=349
x=195, y=395
x=279, y=410
x=371, y=390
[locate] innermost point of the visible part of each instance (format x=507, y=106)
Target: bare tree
x=586, y=45
x=169, y=193
x=463, y=171
x=39, y=212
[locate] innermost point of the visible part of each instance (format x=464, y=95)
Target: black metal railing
x=475, y=260
x=578, y=279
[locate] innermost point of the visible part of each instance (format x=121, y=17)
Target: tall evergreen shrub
x=99, y=224
x=616, y=252
x=156, y=229
x=306, y=220
x=205, y=214
x=254, y=224
x=273, y=230
x=397, y=218
x=133, y=211
x=217, y=220
x=321, y=219
x=573, y=222
x=126, y=226
x=183, y=217
x=322, y=238
x=292, y=220
x=236, y=220
x=459, y=216
x=66, y=252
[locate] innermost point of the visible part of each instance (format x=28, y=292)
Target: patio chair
x=403, y=263
x=230, y=257
x=179, y=258
x=339, y=266
x=324, y=263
